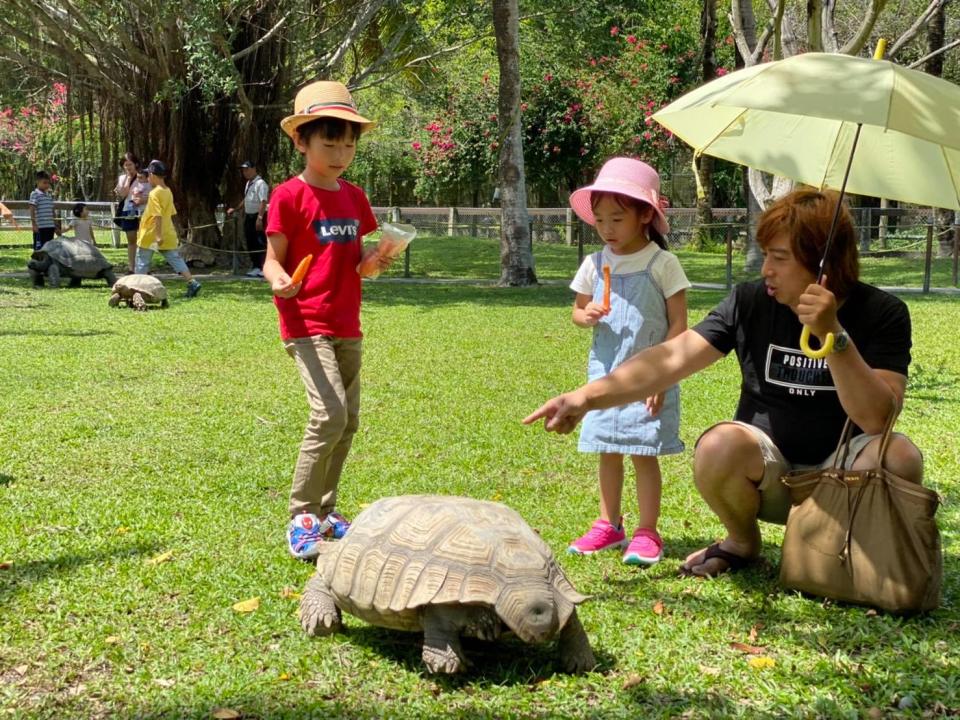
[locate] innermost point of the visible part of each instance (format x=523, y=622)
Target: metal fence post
x=236, y=235
x=729, y=256
x=956, y=251
x=579, y=242
x=451, y=222
x=568, y=220
x=115, y=234
x=928, y=260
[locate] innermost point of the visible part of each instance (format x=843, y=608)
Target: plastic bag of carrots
x=394, y=239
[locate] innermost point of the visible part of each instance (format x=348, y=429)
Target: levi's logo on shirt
x=790, y=368
x=336, y=230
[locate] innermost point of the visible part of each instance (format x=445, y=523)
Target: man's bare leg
x=727, y=469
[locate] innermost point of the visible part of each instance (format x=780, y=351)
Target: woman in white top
x=126, y=219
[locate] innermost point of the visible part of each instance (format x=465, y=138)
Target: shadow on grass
x=26, y=574
x=58, y=333
x=508, y=661
x=6, y=479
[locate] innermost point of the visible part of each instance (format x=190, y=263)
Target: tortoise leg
x=574, y=646
x=53, y=275
x=138, y=302
x=442, y=652
x=319, y=614
x=114, y=300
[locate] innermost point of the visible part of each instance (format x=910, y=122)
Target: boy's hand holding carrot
x=286, y=286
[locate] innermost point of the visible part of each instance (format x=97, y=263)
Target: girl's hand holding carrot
x=606, y=289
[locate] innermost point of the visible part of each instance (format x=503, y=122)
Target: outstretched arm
x=646, y=373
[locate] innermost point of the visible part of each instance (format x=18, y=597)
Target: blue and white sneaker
x=306, y=531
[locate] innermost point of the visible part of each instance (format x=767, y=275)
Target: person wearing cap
x=255, y=196
x=317, y=213
x=156, y=227
x=792, y=407
x=631, y=294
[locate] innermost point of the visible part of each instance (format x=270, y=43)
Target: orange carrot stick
x=606, y=288
x=301, y=270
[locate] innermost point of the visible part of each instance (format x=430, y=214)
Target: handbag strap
x=843, y=447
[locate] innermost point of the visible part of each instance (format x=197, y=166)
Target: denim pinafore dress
x=637, y=320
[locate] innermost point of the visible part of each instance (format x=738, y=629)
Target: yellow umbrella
x=804, y=116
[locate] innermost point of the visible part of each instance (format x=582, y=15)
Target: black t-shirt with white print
x=786, y=394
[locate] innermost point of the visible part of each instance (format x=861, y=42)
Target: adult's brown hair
x=805, y=216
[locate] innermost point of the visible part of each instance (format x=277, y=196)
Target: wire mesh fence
x=901, y=247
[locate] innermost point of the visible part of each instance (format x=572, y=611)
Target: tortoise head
x=529, y=609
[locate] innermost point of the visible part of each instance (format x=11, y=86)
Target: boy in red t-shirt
x=316, y=213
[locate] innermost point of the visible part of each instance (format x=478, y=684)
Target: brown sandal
x=734, y=562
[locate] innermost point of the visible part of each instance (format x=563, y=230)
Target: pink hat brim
x=580, y=200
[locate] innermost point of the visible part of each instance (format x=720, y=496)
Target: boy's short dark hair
x=156, y=167
x=78, y=209
x=329, y=128
x=43, y=175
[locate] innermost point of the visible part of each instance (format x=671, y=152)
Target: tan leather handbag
x=863, y=536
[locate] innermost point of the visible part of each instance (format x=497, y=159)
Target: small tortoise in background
x=450, y=567
x=139, y=292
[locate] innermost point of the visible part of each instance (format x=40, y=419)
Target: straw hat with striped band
x=325, y=98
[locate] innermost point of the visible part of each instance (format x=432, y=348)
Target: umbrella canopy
x=798, y=117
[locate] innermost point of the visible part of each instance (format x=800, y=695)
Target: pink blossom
x=673, y=80
x=54, y=177
x=494, y=145
x=415, y=145
x=593, y=63
x=60, y=88
x=523, y=107
x=648, y=120
x=647, y=135
x=632, y=39
x=652, y=104
x=493, y=117
x=614, y=31
x=664, y=46
x=721, y=72
x=575, y=107
x=548, y=77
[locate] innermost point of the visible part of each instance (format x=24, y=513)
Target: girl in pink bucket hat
x=633, y=295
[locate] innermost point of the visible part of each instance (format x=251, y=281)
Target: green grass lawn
x=127, y=436
x=441, y=257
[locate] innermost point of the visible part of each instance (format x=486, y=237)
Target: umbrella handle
x=825, y=349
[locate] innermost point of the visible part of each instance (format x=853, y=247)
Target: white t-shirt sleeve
x=585, y=278
x=669, y=274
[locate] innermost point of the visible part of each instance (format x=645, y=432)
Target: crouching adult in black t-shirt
x=792, y=408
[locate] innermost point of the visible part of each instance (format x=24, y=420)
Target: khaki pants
x=774, y=495
x=330, y=369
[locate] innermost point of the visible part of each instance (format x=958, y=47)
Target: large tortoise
x=139, y=292
x=71, y=258
x=451, y=567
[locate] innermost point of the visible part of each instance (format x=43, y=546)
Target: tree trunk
x=708, y=66
x=936, y=31
x=516, y=253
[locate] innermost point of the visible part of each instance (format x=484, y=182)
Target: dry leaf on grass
x=164, y=682
x=112, y=640
x=123, y=530
x=283, y=676
x=749, y=649
x=632, y=681
x=21, y=670
x=225, y=714
x=761, y=662
x=707, y=670
x=161, y=558
x=246, y=606
x=658, y=608
x=6, y=564
x=288, y=593
x=754, y=631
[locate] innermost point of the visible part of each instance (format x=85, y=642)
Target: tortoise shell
x=402, y=553
x=149, y=287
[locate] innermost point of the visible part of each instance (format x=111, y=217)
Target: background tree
x=516, y=252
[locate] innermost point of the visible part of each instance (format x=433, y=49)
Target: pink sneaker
x=601, y=536
x=646, y=548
